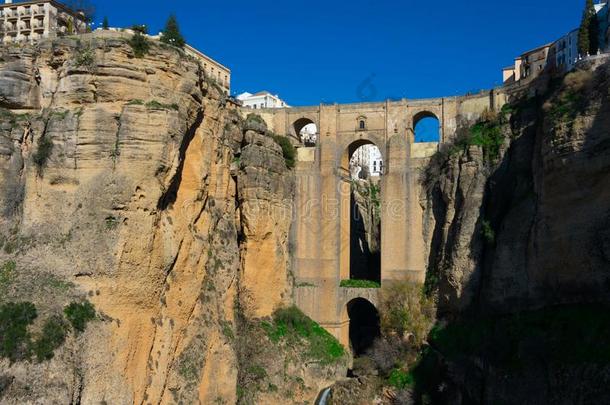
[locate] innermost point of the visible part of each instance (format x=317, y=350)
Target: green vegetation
x=488, y=232
x=588, y=34
x=42, y=154
x=7, y=275
x=79, y=314
x=227, y=330
x=14, y=336
x=111, y=223
x=105, y=24
x=138, y=41
x=255, y=122
x=53, y=335
x=288, y=150
x=573, y=334
x=400, y=379
x=155, y=105
x=171, y=34
x=84, y=57
x=360, y=284
x=406, y=310
x=293, y=326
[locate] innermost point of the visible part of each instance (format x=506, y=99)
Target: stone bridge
x=321, y=228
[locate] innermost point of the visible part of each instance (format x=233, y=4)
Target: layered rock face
x=153, y=203
x=527, y=231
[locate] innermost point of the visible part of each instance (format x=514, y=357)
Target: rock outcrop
x=131, y=182
x=520, y=232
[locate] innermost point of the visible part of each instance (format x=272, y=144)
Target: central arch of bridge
x=321, y=228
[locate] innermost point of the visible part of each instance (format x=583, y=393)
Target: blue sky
x=360, y=50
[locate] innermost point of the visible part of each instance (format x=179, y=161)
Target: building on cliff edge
x=37, y=19
x=560, y=56
x=262, y=99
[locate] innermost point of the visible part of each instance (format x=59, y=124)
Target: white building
x=566, y=51
x=262, y=99
x=367, y=158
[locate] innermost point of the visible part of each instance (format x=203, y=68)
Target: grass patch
x=401, y=379
x=7, y=275
x=79, y=314
x=155, y=105
x=136, y=101
x=360, y=284
x=293, y=326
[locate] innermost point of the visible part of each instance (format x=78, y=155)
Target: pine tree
x=171, y=35
x=105, y=24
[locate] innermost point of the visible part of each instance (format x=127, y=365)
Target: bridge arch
x=364, y=325
x=348, y=147
x=304, y=123
x=426, y=127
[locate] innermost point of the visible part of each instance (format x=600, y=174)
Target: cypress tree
x=105, y=24
x=593, y=33
x=588, y=41
x=171, y=35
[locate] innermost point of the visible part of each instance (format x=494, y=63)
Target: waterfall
x=323, y=396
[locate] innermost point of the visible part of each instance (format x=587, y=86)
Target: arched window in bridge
x=426, y=127
x=361, y=126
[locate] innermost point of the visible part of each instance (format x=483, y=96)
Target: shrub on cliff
x=79, y=314
x=52, y=337
x=14, y=336
x=138, y=41
x=288, y=150
x=406, y=311
x=42, y=154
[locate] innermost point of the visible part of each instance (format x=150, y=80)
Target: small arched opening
x=306, y=130
x=364, y=325
x=426, y=127
x=361, y=223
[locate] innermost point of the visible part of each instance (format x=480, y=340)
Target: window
x=362, y=124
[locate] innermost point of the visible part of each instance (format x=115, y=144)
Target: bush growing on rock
x=52, y=337
x=42, y=154
x=79, y=314
x=138, y=41
x=288, y=150
x=14, y=336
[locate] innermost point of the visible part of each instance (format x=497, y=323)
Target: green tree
x=105, y=24
x=171, y=34
x=588, y=35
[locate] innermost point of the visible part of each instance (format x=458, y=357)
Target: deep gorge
x=133, y=184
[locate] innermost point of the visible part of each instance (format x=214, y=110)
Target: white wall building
x=367, y=156
x=262, y=99
x=566, y=51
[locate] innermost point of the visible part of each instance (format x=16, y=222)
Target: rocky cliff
x=517, y=214
x=130, y=182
